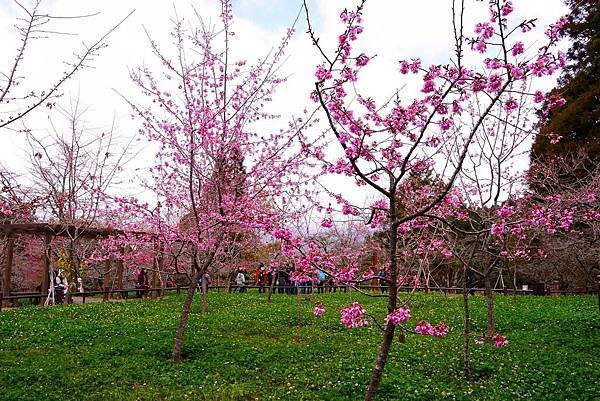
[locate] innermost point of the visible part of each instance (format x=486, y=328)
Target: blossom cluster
x=400, y=315
x=353, y=316
x=427, y=329
x=498, y=340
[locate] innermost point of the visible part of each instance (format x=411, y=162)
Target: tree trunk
x=515, y=284
x=229, y=281
x=187, y=303
x=381, y=360
x=598, y=290
x=204, y=296
x=388, y=335
x=466, y=357
x=74, y=273
x=155, y=281
x=490, y=302
x=8, y=264
x=46, y=274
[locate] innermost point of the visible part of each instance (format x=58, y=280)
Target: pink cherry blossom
x=398, y=316
x=424, y=328
x=353, y=316
x=499, y=340
x=518, y=48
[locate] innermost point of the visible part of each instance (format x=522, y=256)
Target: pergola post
x=8, y=262
x=157, y=266
x=46, y=273
x=155, y=274
x=119, y=262
x=161, y=265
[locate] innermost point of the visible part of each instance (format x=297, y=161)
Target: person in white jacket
x=240, y=281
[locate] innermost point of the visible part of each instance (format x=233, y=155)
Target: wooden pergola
x=49, y=231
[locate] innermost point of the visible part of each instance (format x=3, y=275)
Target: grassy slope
x=246, y=349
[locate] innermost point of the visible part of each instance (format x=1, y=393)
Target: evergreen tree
x=577, y=121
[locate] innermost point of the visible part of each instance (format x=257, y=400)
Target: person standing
x=270, y=276
x=142, y=283
x=382, y=280
x=261, y=277
x=203, y=279
x=282, y=282
x=60, y=288
x=321, y=277
x=240, y=280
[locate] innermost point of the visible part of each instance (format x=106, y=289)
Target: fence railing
x=38, y=298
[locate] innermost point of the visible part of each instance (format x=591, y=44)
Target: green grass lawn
x=246, y=349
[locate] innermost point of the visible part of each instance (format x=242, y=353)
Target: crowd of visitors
x=281, y=282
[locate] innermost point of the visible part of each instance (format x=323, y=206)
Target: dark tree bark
x=187, y=303
x=388, y=335
x=466, y=356
x=489, y=294
x=8, y=264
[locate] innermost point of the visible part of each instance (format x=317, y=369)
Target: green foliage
x=577, y=120
x=246, y=349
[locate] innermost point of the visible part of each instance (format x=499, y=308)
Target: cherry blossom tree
x=383, y=143
x=217, y=174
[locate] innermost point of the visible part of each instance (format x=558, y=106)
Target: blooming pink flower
x=428, y=86
x=404, y=67
x=495, y=82
x=322, y=73
x=446, y=124
x=353, y=316
x=413, y=66
x=398, y=316
x=327, y=223
x=362, y=60
x=506, y=211
x=493, y=63
x=555, y=101
x=499, y=340
x=498, y=228
x=479, y=46
x=511, y=105
x=348, y=74
x=484, y=30
x=5, y=209
x=556, y=29
x=554, y=138
x=440, y=330
x=319, y=309
x=539, y=97
x=507, y=8
x=424, y=328
x=518, y=48
x=479, y=84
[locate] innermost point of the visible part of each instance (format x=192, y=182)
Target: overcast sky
x=394, y=30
